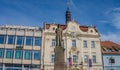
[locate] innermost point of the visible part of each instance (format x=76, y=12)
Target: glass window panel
x=20, y=40
x=11, y=39
x=9, y=53
x=38, y=41
x=62, y=43
x=36, y=55
x=85, y=58
x=53, y=42
x=73, y=43
x=94, y=58
x=93, y=44
x=0, y=68
x=111, y=60
x=27, y=55
x=52, y=58
x=1, y=53
x=85, y=43
x=18, y=54
x=2, y=39
x=29, y=41
x=74, y=58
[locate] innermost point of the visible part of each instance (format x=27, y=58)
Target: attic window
x=119, y=49
x=109, y=49
x=53, y=28
x=91, y=31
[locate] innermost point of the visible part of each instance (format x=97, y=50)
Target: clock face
x=73, y=27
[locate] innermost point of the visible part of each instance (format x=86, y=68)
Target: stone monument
x=59, y=51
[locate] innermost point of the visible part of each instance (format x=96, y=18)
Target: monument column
x=59, y=51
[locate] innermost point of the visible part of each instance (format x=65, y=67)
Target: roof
x=20, y=27
x=83, y=28
x=109, y=47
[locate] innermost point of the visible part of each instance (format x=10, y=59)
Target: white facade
x=79, y=42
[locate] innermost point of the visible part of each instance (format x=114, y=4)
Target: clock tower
x=68, y=15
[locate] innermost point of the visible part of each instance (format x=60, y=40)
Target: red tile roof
x=115, y=48
x=83, y=28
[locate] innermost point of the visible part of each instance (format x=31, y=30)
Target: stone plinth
x=59, y=58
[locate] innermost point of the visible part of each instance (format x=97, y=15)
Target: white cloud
x=112, y=37
x=116, y=20
x=114, y=15
x=116, y=9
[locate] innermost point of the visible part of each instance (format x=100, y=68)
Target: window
x=1, y=53
x=62, y=43
x=2, y=39
x=37, y=55
x=93, y=44
x=38, y=41
x=85, y=43
x=27, y=55
x=33, y=66
x=73, y=43
x=74, y=58
x=18, y=54
x=29, y=41
x=109, y=49
x=111, y=60
x=94, y=58
x=85, y=58
x=11, y=66
x=118, y=49
x=52, y=58
x=53, y=42
x=11, y=39
x=0, y=68
x=9, y=53
x=20, y=40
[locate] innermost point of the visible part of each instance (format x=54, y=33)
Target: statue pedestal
x=59, y=58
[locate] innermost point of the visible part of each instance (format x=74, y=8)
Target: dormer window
x=109, y=50
x=53, y=28
x=91, y=31
x=119, y=49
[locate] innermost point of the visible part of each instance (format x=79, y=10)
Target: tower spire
x=68, y=14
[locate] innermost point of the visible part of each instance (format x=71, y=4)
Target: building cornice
x=68, y=35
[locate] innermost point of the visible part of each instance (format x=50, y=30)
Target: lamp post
x=112, y=61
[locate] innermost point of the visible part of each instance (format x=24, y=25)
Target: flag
x=90, y=63
x=70, y=62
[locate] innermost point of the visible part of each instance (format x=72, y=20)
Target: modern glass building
x=20, y=48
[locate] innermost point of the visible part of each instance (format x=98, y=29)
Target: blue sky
x=104, y=14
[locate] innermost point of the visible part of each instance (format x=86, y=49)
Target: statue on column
x=59, y=51
x=58, y=35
